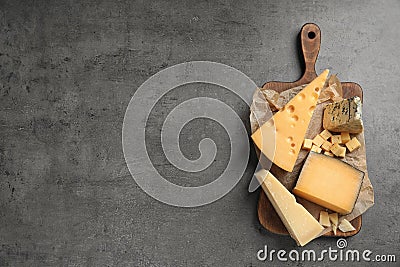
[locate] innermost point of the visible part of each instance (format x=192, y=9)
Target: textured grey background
x=67, y=72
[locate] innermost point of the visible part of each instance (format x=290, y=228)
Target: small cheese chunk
x=334, y=228
x=338, y=150
x=344, y=116
x=318, y=140
x=316, y=149
x=336, y=139
x=324, y=219
x=353, y=144
x=345, y=137
x=328, y=154
x=329, y=182
x=307, y=144
x=334, y=218
x=301, y=225
x=346, y=226
x=326, y=146
x=325, y=134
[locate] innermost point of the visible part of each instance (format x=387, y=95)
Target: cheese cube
x=326, y=146
x=345, y=137
x=336, y=139
x=301, y=225
x=329, y=182
x=324, y=219
x=307, y=144
x=353, y=144
x=316, y=149
x=344, y=116
x=338, y=150
x=328, y=154
x=325, y=134
x=318, y=140
x=346, y=226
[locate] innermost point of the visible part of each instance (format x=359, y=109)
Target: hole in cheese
x=290, y=139
x=311, y=110
x=270, y=123
x=315, y=96
x=295, y=117
x=316, y=89
x=290, y=109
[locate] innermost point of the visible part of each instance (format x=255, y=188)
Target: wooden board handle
x=310, y=37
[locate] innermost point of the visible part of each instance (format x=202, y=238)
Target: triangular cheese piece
x=301, y=225
x=289, y=126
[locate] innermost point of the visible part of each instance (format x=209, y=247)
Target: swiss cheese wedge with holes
x=289, y=125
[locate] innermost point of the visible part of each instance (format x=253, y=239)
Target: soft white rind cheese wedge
x=301, y=225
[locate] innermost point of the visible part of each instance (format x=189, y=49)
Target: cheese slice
x=301, y=225
x=281, y=137
x=324, y=218
x=344, y=116
x=346, y=226
x=329, y=182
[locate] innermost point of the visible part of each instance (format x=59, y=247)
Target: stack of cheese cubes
x=331, y=144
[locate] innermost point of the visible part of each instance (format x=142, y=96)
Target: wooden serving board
x=310, y=37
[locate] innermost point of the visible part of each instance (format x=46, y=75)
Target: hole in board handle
x=311, y=35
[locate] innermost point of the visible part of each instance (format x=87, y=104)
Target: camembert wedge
x=301, y=225
x=289, y=125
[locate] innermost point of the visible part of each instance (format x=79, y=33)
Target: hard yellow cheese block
x=301, y=225
x=329, y=182
x=289, y=125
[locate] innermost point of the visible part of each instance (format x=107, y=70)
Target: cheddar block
x=316, y=149
x=353, y=144
x=326, y=146
x=336, y=139
x=344, y=116
x=307, y=144
x=345, y=136
x=329, y=182
x=338, y=150
x=346, y=226
x=289, y=125
x=301, y=225
x=334, y=218
x=325, y=134
x=328, y=154
x=324, y=219
x=318, y=140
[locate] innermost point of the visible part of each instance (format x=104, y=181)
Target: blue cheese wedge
x=344, y=116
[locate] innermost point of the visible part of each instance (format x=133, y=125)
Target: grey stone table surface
x=68, y=70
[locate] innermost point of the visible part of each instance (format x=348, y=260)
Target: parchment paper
x=331, y=92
